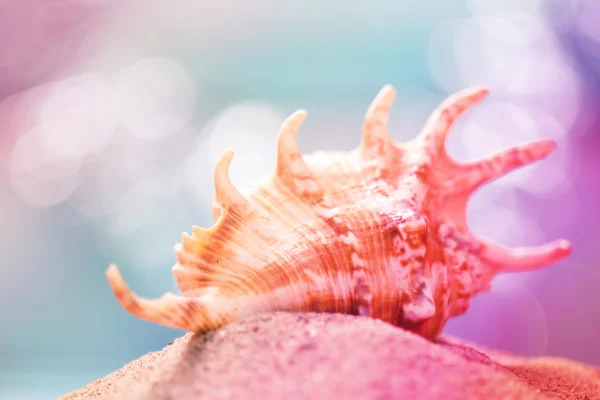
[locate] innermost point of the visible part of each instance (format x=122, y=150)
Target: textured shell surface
x=379, y=231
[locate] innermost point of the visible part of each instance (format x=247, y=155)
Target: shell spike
x=292, y=170
x=525, y=258
x=187, y=313
x=191, y=243
x=375, y=136
x=476, y=174
x=202, y=235
x=289, y=157
x=226, y=194
x=438, y=125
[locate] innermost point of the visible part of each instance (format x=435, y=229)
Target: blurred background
x=113, y=114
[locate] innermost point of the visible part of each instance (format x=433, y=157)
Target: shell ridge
x=361, y=292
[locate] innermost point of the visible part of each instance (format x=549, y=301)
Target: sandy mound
x=327, y=356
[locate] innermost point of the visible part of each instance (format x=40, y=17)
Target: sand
x=332, y=356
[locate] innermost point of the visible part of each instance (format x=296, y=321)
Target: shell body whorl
x=379, y=231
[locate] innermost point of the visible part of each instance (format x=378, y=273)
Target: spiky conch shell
x=379, y=231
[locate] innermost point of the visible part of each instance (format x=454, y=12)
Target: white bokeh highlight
x=40, y=193
x=154, y=97
x=76, y=119
x=250, y=129
x=486, y=7
x=78, y=124
x=513, y=54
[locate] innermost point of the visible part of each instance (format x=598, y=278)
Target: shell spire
x=188, y=313
x=226, y=194
x=292, y=170
x=436, y=129
x=525, y=258
x=428, y=148
x=376, y=140
x=380, y=232
x=473, y=175
x=289, y=157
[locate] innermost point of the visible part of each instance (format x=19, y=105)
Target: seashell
x=379, y=231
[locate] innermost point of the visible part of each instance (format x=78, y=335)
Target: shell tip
x=302, y=113
x=292, y=123
x=117, y=284
x=112, y=272
x=479, y=90
x=563, y=247
x=227, y=155
x=389, y=89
